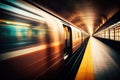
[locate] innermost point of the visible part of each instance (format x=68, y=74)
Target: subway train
x=112, y=32
x=34, y=42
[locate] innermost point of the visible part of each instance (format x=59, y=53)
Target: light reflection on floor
x=104, y=61
x=99, y=61
x=85, y=71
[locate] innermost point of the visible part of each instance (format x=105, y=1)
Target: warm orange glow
x=112, y=12
x=85, y=71
x=12, y=54
x=88, y=17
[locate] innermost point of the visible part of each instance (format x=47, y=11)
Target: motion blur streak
x=26, y=6
x=15, y=23
x=11, y=54
x=21, y=12
x=35, y=43
x=104, y=61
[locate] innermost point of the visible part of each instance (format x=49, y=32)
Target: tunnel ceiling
x=86, y=14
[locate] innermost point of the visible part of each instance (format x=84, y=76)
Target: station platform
x=100, y=62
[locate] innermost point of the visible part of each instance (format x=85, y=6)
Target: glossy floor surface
x=100, y=62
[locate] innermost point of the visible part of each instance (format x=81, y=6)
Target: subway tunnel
x=59, y=40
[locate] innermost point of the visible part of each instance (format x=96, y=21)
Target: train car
x=112, y=32
x=33, y=42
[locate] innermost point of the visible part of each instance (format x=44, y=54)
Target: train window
x=78, y=34
x=102, y=34
x=107, y=34
x=116, y=34
x=112, y=34
x=74, y=34
x=119, y=34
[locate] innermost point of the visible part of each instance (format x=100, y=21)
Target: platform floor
x=100, y=62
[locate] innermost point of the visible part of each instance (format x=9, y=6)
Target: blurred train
x=34, y=42
x=112, y=32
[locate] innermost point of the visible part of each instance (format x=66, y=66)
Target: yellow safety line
x=85, y=71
